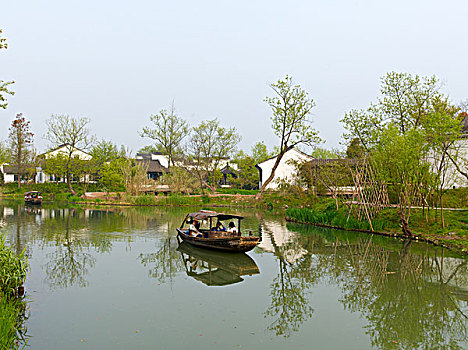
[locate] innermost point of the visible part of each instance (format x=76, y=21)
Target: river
x=116, y=278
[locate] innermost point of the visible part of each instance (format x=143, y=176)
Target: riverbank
x=425, y=225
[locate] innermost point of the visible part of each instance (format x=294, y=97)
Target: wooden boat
x=213, y=239
x=215, y=268
x=33, y=197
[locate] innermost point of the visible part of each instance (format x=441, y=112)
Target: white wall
x=285, y=171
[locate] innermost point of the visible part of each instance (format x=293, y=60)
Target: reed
x=333, y=218
x=13, y=269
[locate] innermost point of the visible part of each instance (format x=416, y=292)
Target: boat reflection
x=216, y=268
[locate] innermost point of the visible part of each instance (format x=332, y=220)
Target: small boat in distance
x=214, y=235
x=32, y=197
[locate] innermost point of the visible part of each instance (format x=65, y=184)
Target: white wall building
x=286, y=170
x=42, y=177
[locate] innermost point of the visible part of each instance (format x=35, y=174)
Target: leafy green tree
x=4, y=85
x=111, y=177
x=260, y=152
x=355, y=149
x=21, y=139
x=73, y=133
x=152, y=149
x=291, y=107
x=247, y=174
x=211, y=143
x=105, y=151
x=168, y=132
x=411, y=132
x=55, y=165
x=323, y=153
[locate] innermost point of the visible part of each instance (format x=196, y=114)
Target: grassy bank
x=12, y=309
x=425, y=225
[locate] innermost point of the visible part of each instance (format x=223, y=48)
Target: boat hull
x=227, y=244
x=33, y=201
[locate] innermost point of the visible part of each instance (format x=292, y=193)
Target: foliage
x=332, y=217
x=180, y=180
x=151, y=149
x=291, y=110
x=410, y=134
x=323, y=153
x=21, y=139
x=133, y=175
x=4, y=85
x=105, y=151
x=71, y=132
x=110, y=176
x=355, y=149
x=13, y=269
x=168, y=133
x=210, y=143
x=260, y=152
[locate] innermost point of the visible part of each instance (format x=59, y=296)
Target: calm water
x=115, y=278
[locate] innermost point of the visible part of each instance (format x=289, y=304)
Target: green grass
x=13, y=270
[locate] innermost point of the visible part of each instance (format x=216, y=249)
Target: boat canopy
x=32, y=192
x=206, y=214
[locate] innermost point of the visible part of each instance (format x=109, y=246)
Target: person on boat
x=219, y=227
x=193, y=229
x=232, y=228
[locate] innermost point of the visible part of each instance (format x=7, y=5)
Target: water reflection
x=412, y=297
x=409, y=295
x=216, y=268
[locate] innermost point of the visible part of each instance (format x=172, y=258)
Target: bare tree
x=168, y=133
x=73, y=134
x=290, y=120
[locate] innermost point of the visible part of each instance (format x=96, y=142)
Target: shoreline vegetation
x=13, y=269
x=299, y=207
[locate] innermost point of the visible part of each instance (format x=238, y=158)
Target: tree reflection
x=165, y=263
x=408, y=302
x=69, y=263
x=412, y=297
x=290, y=306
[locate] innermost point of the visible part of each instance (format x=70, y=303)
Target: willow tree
x=291, y=111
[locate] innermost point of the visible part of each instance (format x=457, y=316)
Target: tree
x=410, y=133
x=152, y=149
x=260, y=152
x=105, y=151
x=355, y=149
x=72, y=133
x=210, y=143
x=4, y=85
x=168, y=133
x=21, y=139
x=291, y=122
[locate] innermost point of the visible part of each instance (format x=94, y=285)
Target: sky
x=118, y=62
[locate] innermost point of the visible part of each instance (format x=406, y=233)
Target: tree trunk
x=72, y=191
x=272, y=175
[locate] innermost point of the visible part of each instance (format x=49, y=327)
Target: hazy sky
x=117, y=62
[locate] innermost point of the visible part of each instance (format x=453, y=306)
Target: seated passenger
x=219, y=227
x=232, y=228
x=193, y=229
